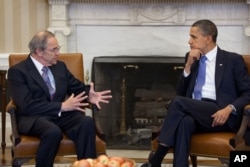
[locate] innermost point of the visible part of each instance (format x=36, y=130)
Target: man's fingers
x=104, y=101
x=81, y=109
x=80, y=94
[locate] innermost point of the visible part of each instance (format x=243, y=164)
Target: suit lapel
x=33, y=72
x=195, y=69
x=219, y=68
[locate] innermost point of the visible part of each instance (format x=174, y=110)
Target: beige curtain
x=19, y=20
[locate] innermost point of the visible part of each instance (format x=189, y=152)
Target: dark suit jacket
x=232, y=83
x=31, y=95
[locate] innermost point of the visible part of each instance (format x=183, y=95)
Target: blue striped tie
x=200, y=81
x=47, y=81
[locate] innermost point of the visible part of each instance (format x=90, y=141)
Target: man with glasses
x=50, y=100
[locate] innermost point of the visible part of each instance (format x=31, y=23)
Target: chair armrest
x=15, y=137
x=239, y=137
x=11, y=109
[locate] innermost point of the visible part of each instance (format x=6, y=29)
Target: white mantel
x=145, y=27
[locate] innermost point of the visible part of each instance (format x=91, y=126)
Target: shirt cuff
x=59, y=114
x=185, y=74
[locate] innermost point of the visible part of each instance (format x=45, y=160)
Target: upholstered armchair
x=219, y=144
x=25, y=147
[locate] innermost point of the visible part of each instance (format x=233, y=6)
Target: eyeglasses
x=56, y=49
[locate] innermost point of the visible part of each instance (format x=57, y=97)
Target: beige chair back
x=74, y=62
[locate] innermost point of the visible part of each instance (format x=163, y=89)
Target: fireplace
x=141, y=86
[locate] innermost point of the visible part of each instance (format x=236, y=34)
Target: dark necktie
x=47, y=81
x=200, y=81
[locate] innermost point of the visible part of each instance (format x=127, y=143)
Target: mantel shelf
x=138, y=59
x=155, y=1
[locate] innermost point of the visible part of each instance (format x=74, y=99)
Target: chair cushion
x=28, y=146
x=207, y=144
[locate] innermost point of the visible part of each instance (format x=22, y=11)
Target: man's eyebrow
x=193, y=36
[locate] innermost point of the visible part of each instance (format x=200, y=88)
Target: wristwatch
x=232, y=108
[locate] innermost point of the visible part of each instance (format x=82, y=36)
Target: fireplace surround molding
x=67, y=15
x=72, y=20
x=148, y=1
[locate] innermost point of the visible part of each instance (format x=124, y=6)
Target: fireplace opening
x=141, y=86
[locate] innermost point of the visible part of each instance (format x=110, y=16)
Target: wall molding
x=154, y=1
x=4, y=63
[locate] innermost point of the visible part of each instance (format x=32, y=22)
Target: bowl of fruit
x=105, y=161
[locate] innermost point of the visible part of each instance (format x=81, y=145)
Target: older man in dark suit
x=213, y=90
x=50, y=100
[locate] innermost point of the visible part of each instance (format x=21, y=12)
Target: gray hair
x=39, y=40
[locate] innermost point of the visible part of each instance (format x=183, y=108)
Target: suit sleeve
x=183, y=84
x=28, y=96
x=25, y=85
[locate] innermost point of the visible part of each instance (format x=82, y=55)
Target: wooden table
x=3, y=92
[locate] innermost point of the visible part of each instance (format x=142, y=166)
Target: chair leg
x=193, y=160
x=18, y=162
x=225, y=161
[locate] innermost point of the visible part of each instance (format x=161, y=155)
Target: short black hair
x=207, y=27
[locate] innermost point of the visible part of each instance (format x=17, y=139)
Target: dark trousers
x=184, y=117
x=75, y=125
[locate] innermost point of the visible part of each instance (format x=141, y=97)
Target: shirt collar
x=212, y=53
x=38, y=65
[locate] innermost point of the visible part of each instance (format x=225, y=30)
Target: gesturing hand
x=75, y=103
x=98, y=97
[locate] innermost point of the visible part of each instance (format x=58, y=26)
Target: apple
x=83, y=163
x=113, y=163
x=119, y=159
x=127, y=164
x=91, y=162
x=103, y=159
x=75, y=164
x=99, y=164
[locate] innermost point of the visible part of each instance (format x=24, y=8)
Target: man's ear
x=39, y=52
x=209, y=38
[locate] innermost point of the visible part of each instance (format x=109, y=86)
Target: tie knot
x=203, y=58
x=45, y=69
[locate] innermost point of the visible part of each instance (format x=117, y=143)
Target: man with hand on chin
x=212, y=92
x=50, y=100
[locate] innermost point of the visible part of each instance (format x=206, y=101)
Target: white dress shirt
x=208, y=89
